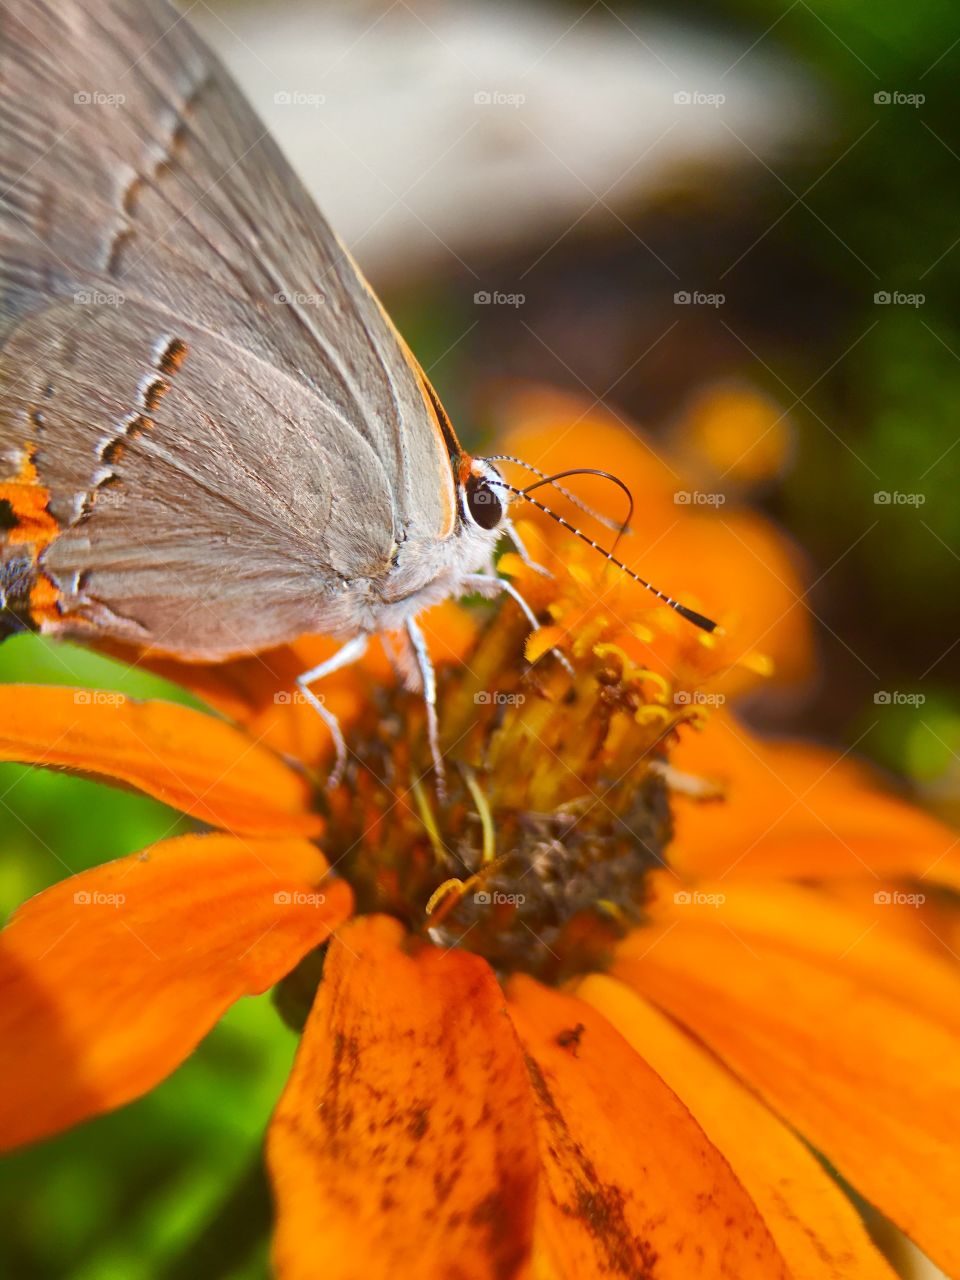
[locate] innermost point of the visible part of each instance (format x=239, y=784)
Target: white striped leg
x=429, y=678
x=352, y=651
x=506, y=524
x=485, y=582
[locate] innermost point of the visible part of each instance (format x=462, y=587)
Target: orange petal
x=631, y=1185
x=870, y=1083
x=814, y=1225
x=732, y=431
x=876, y=942
x=109, y=979
x=189, y=760
x=796, y=810
x=404, y=1142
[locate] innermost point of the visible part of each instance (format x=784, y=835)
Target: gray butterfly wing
x=228, y=428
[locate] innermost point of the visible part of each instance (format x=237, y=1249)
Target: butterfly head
x=483, y=498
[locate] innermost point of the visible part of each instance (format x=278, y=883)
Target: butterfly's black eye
x=484, y=506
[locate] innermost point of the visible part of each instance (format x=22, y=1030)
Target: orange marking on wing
x=34, y=528
x=28, y=500
x=173, y=357
x=44, y=598
x=155, y=393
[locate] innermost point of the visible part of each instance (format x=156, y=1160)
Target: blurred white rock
x=444, y=132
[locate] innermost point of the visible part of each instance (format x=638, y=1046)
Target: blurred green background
x=864, y=199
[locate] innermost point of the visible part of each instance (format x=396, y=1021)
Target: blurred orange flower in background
x=589, y=1018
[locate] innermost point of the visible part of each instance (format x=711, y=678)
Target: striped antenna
x=691, y=615
x=619, y=527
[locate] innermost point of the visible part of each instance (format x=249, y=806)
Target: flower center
x=556, y=805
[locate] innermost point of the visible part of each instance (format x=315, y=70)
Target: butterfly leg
x=429, y=677
x=507, y=525
x=352, y=651
x=486, y=584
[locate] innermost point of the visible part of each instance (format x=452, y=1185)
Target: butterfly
x=212, y=438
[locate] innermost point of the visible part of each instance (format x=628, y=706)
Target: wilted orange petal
x=404, y=1143
x=872, y=941
x=797, y=810
x=814, y=1225
x=631, y=1185
x=191, y=761
x=109, y=979
x=873, y=1085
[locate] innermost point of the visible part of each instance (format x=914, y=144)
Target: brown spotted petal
x=631, y=1186
x=404, y=1142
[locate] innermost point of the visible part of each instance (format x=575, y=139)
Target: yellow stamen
x=489, y=848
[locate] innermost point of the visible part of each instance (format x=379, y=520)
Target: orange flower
x=590, y=1016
